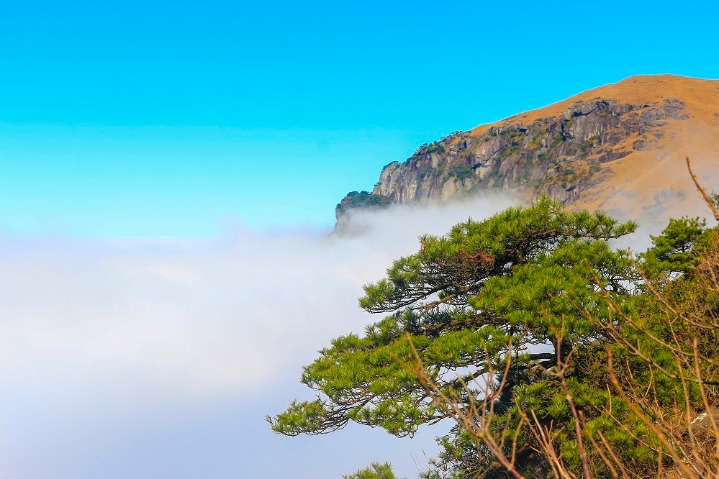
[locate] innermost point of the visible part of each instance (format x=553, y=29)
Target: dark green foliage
x=429, y=148
x=391, y=163
x=673, y=250
x=537, y=141
x=462, y=171
x=556, y=141
x=688, y=314
x=363, y=200
x=374, y=471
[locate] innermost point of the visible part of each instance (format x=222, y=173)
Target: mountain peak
x=700, y=96
x=618, y=147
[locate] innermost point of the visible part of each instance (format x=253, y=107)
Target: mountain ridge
x=618, y=147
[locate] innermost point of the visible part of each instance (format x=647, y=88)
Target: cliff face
x=620, y=148
x=560, y=156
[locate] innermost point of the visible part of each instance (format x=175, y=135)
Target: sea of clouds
x=160, y=358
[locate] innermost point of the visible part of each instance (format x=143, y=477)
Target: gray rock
x=559, y=156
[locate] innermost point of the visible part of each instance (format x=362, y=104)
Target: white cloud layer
x=160, y=358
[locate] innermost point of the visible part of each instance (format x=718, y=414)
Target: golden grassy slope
x=653, y=184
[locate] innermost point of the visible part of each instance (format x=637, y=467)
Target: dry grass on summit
x=652, y=181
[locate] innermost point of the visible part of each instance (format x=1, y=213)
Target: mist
x=160, y=358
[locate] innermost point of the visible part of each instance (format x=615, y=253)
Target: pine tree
x=547, y=348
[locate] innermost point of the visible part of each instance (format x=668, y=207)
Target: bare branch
x=703, y=192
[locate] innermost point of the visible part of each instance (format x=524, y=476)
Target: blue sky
x=167, y=118
x=168, y=171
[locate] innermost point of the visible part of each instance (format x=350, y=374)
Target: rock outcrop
x=358, y=200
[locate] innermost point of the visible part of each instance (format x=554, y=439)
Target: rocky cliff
x=619, y=148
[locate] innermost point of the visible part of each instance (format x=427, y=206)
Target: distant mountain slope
x=619, y=148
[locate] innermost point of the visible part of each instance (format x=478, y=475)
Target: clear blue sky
x=165, y=118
